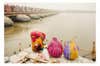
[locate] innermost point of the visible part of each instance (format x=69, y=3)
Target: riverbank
x=10, y=20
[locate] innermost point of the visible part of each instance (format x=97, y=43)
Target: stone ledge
x=28, y=56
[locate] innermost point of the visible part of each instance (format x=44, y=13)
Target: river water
x=65, y=26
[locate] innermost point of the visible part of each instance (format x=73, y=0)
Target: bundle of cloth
x=37, y=40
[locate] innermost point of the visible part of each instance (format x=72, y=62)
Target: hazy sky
x=61, y=6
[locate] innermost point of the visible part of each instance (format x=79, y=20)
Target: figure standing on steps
x=19, y=47
x=93, y=52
